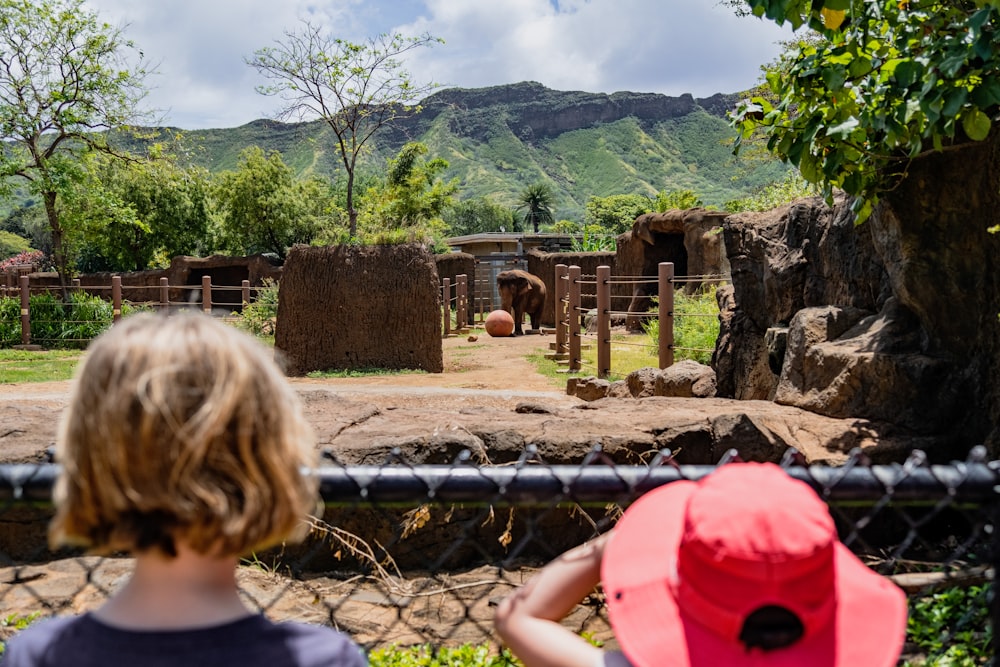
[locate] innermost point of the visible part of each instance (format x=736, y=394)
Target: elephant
x=524, y=293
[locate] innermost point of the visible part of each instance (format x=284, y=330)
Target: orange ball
x=499, y=324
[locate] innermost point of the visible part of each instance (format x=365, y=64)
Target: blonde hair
x=181, y=428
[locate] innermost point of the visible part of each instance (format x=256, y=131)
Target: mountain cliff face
x=500, y=139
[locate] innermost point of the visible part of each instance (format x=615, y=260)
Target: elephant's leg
x=536, y=316
x=518, y=319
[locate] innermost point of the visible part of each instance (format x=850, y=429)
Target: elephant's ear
x=523, y=286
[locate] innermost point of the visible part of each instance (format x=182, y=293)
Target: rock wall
x=860, y=321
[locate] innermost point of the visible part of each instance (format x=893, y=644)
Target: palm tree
x=536, y=202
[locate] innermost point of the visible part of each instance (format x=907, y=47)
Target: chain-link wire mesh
x=419, y=554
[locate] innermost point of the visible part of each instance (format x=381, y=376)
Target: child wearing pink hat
x=741, y=568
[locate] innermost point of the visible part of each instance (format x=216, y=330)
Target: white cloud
x=666, y=46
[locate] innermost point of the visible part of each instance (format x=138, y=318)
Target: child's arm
x=528, y=619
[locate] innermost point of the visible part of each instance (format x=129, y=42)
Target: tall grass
x=696, y=326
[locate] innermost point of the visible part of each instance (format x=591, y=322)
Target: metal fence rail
x=418, y=554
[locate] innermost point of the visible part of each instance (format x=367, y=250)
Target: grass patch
x=467, y=655
x=46, y=366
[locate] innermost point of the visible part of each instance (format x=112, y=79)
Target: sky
x=200, y=47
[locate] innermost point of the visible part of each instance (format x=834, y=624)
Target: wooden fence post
x=116, y=298
x=666, y=313
x=603, y=321
x=462, y=297
x=246, y=292
x=562, y=325
x=206, y=293
x=76, y=284
x=164, y=294
x=446, y=303
x=25, y=310
x=573, y=318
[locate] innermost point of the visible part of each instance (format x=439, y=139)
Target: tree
x=536, y=202
x=138, y=214
x=480, y=214
x=679, y=199
x=263, y=208
x=615, y=214
x=64, y=77
x=890, y=81
x=413, y=193
x=355, y=88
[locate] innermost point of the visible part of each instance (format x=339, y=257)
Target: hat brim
x=868, y=626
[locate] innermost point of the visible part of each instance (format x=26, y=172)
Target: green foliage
x=12, y=244
x=677, y=199
x=258, y=316
x=595, y=239
x=412, y=198
x=889, y=81
x=952, y=627
x=792, y=187
x=64, y=76
x=467, y=655
x=615, y=214
x=536, y=201
x=696, y=326
x=264, y=208
x=58, y=324
x=480, y=214
x=17, y=622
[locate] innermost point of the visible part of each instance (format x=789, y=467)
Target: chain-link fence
x=410, y=555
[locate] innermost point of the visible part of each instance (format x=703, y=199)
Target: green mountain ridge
x=500, y=139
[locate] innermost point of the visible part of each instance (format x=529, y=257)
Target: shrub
x=56, y=324
x=259, y=316
x=468, y=655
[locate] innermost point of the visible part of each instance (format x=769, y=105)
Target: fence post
x=164, y=293
x=25, y=310
x=573, y=318
x=246, y=292
x=603, y=321
x=76, y=284
x=562, y=326
x=461, y=301
x=446, y=302
x=206, y=293
x=116, y=298
x=666, y=313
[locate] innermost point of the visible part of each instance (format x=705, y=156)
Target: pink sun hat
x=744, y=567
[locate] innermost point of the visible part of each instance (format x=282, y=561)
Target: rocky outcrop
x=856, y=321
x=690, y=239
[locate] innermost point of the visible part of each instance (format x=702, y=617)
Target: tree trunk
x=58, y=249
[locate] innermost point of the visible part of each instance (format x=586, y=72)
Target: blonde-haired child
x=184, y=445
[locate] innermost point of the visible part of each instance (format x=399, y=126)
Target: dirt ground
x=473, y=360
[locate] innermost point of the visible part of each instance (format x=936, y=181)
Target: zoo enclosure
x=570, y=315
x=930, y=528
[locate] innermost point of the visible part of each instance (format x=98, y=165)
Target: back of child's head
x=181, y=429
